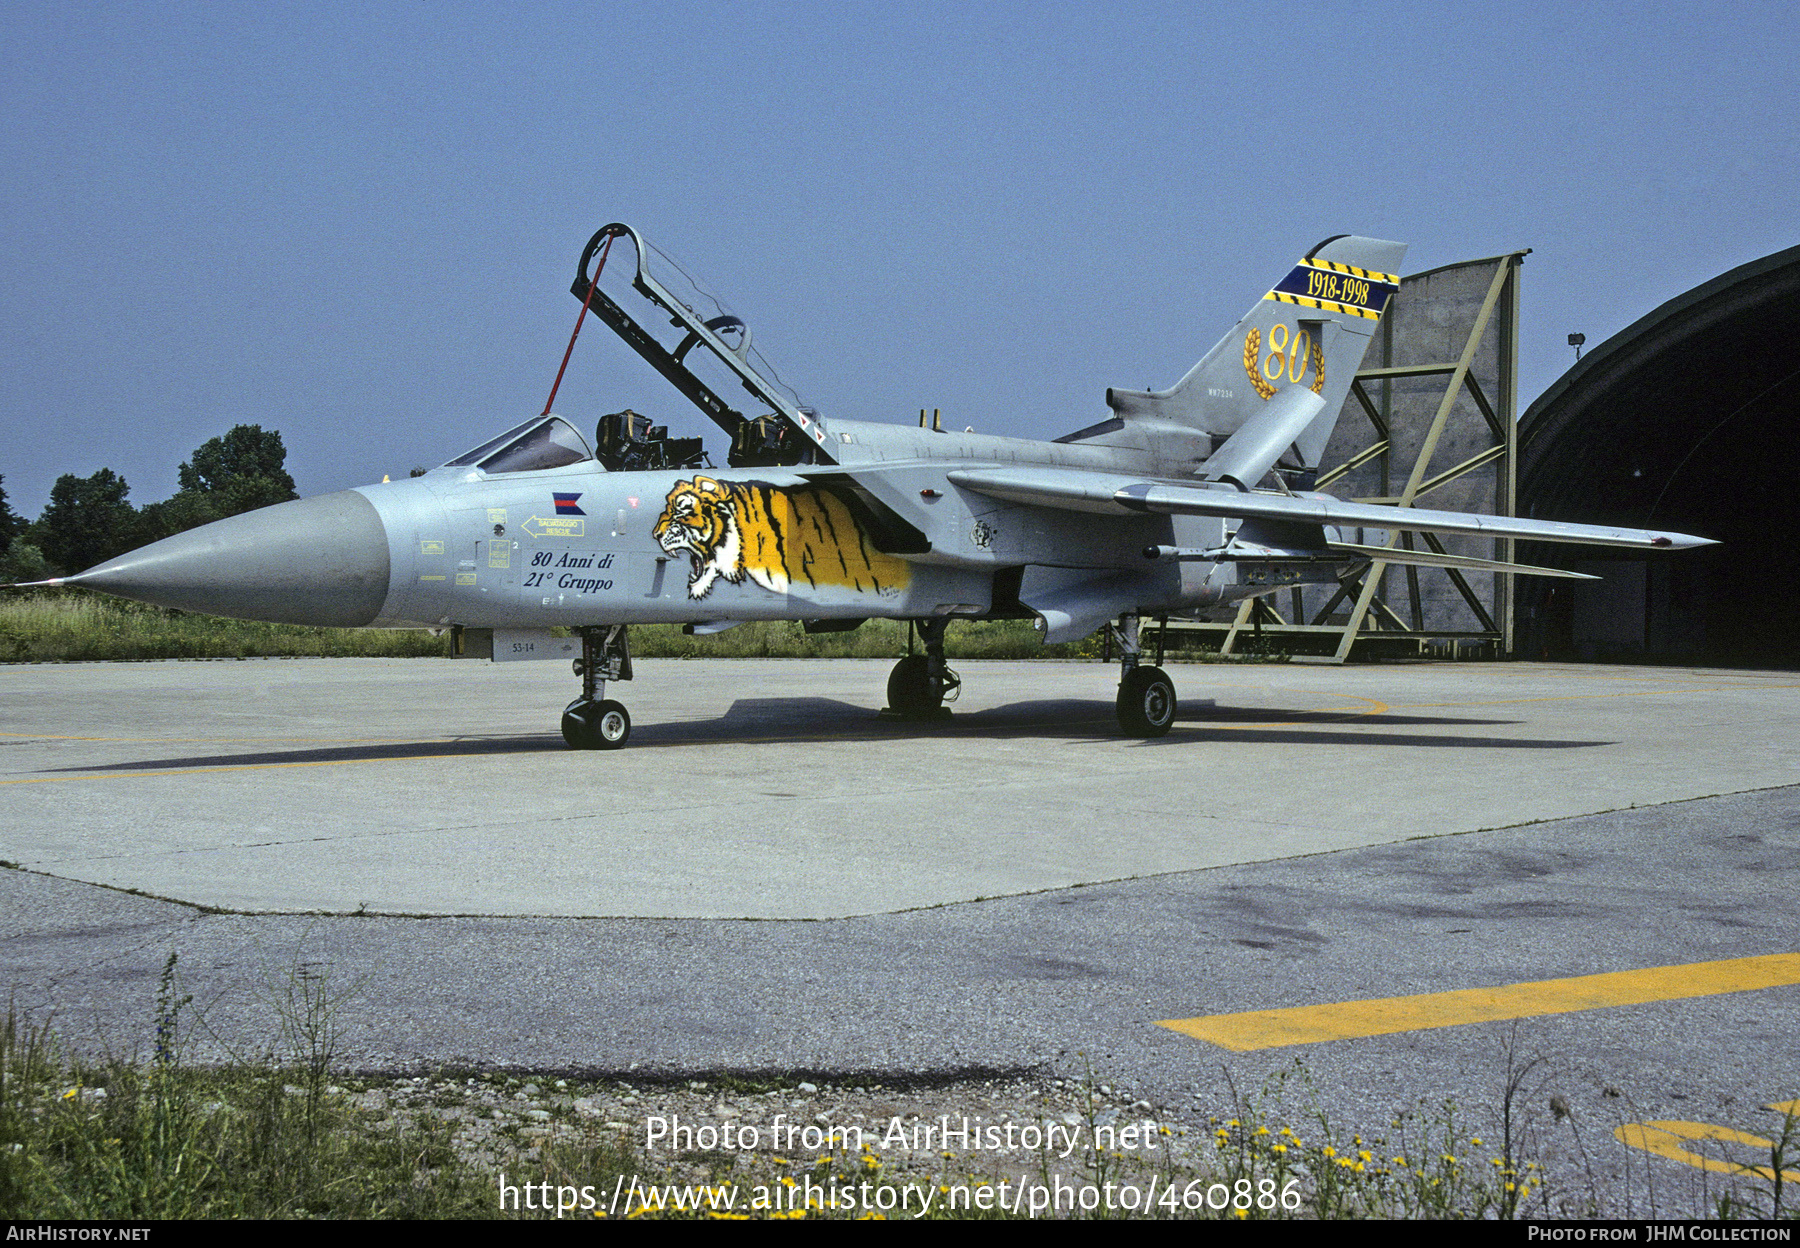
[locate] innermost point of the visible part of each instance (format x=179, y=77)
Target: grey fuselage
x=468, y=548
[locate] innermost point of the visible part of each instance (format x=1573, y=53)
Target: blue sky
x=357, y=223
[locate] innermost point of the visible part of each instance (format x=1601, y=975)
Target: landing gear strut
x=920, y=684
x=594, y=721
x=1146, y=694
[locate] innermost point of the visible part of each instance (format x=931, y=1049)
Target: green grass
x=159, y=1140
x=877, y=639
x=277, y=1137
x=72, y=626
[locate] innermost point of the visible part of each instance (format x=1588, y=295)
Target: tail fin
x=1310, y=331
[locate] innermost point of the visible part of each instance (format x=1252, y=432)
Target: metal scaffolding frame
x=1490, y=429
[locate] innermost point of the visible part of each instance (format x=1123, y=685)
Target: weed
x=1776, y=1175
x=274, y=1138
x=1515, y=1184
x=1781, y=1150
x=73, y=625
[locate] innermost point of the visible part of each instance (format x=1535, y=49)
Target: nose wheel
x=603, y=725
x=594, y=721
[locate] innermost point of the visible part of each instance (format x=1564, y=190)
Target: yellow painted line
x=1666, y=1138
x=1590, y=697
x=201, y=771
x=1386, y=1016
x=321, y=741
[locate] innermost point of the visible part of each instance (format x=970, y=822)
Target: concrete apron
x=770, y=789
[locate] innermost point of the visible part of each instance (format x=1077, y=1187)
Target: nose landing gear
x=590, y=725
x=594, y=721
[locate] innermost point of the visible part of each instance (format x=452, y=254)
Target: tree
x=241, y=471
x=19, y=559
x=88, y=521
x=187, y=510
x=23, y=562
x=11, y=523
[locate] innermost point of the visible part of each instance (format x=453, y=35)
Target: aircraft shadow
x=800, y=719
x=774, y=720
x=476, y=746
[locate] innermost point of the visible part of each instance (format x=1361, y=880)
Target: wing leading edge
x=1118, y=495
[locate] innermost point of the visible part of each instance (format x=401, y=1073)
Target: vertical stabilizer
x=1310, y=331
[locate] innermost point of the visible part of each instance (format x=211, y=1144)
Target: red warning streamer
x=593, y=286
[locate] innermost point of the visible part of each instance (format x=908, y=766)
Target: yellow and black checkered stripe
x=1333, y=287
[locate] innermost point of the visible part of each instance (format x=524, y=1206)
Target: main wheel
x=1146, y=702
x=596, y=725
x=911, y=689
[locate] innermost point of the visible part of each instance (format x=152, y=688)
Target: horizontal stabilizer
x=1102, y=493
x=1253, y=449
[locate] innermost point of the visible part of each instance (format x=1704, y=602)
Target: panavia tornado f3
x=1183, y=500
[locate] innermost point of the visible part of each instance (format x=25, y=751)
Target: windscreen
x=546, y=442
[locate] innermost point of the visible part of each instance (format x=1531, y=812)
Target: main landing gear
x=920, y=684
x=1146, y=694
x=594, y=721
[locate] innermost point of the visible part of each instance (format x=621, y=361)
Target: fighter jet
x=1181, y=501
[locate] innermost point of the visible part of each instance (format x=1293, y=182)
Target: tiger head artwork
x=777, y=538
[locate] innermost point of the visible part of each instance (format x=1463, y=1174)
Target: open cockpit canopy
x=663, y=314
x=670, y=315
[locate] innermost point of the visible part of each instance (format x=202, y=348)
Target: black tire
x=911, y=690
x=596, y=725
x=1146, y=702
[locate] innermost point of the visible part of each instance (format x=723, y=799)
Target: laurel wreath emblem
x=1253, y=354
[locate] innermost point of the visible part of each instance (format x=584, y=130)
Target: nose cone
x=314, y=561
